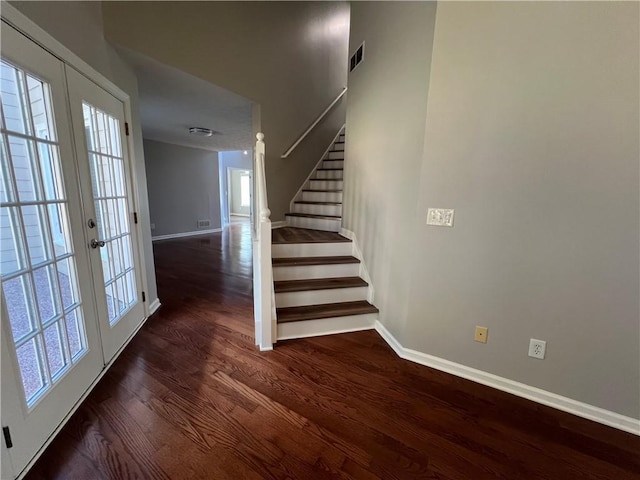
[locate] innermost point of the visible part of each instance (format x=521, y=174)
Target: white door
x=50, y=346
x=105, y=173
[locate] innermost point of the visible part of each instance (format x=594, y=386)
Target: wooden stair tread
x=310, y=215
x=327, y=310
x=318, y=284
x=306, y=202
x=314, y=190
x=308, y=261
x=286, y=235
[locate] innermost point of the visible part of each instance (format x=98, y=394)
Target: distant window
x=245, y=191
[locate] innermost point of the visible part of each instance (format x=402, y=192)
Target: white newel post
x=262, y=275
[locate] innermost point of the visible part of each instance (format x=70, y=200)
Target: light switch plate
x=440, y=217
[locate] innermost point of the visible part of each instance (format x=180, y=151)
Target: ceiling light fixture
x=201, y=132
x=245, y=152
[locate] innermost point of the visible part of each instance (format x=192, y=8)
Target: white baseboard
x=186, y=234
x=154, y=306
x=280, y=224
x=584, y=410
x=239, y=215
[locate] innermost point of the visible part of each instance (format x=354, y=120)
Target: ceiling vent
x=356, y=58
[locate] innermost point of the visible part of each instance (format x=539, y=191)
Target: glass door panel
x=105, y=175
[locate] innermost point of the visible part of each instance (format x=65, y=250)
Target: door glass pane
x=112, y=209
x=39, y=281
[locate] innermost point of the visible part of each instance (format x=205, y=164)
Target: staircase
x=318, y=205
x=318, y=284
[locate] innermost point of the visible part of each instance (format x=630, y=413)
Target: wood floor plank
x=191, y=397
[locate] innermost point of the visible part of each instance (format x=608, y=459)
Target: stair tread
x=311, y=215
x=327, y=310
x=286, y=235
x=326, y=179
x=330, y=169
x=315, y=190
x=307, y=261
x=305, y=202
x=284, y=286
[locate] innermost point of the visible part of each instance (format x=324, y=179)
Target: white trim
x=363, y=272
x=565, y=404
x=320, y=117
x=326, y=326
x=280, y=224
x=55, y=433
x=239, y=215
x=322, y=159
x=154, y=306
x=186, y=234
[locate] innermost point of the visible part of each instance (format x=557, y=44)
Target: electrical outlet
x=537, y=348
x=481, y=334
x=440, y=217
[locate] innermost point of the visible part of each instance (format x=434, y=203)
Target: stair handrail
x=263, y=290
x=317, y=120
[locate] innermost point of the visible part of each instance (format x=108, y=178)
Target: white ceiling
x=171, y=101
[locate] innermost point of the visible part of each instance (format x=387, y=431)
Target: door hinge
x=135, y=217
x=144, y=297
x=7, y=437
x=126, y=129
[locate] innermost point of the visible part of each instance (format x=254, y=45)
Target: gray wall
x=385, y=129
x=531, y=134
x=235, y=159
x=86, y=39
x=289, y=57
x=183, y=187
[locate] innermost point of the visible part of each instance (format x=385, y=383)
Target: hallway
x=191, y=397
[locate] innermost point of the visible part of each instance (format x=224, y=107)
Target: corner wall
x=183, y=188
x=532, y=135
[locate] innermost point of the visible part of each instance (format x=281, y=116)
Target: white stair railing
x=264, y=304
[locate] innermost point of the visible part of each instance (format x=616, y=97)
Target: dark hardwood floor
x=192, y=398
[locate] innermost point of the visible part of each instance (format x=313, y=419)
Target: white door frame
x=27, y=27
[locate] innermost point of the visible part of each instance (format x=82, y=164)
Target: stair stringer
x=363, y=272
x=306, y=183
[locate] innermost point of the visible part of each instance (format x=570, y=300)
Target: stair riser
x=316, y=271
x=333, y=174
x=326, y=326
x=289, y=250
x=335, y=155
x=315, y=223
x=333, y=210
x=325, y=185
x=338, y=146
x=332, y=164
x=322, y=197
x=341, y=138
x=318, y=297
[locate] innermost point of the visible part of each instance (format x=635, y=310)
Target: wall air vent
x=204, y=223
x=356, y=58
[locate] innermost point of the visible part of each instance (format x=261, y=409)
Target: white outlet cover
x=440, y=217
x=537, y=348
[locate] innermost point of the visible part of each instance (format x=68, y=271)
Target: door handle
x=97, y=243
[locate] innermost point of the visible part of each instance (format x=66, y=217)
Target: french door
x=103, y=160
x=68, y=263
